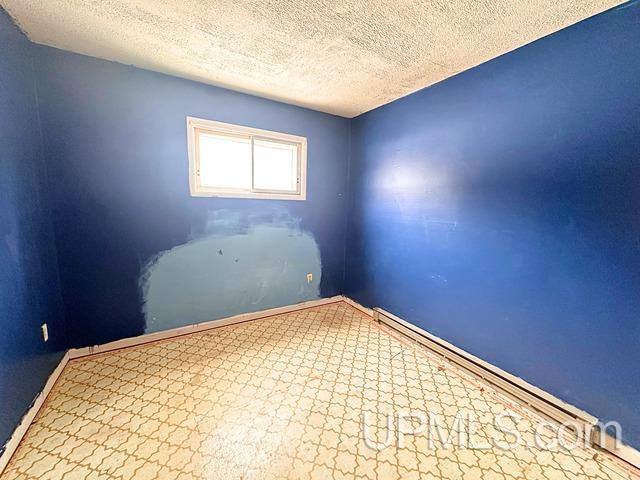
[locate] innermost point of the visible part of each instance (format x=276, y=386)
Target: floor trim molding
x=357, y=306
x=517, y=388
x=12, y=444
x=198, y=327
x=618, y=449
x=14, y=441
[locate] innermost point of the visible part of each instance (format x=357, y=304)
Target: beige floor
x=275, y=398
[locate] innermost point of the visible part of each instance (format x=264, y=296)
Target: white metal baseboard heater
x=551, y=407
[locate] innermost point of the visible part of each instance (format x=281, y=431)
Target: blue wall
x=500, y=210
x=136, y=252
x=29, y=288
x=497, y=209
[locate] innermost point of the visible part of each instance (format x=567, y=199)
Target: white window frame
x=196, y=125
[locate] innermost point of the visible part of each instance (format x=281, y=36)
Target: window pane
x=225, y=161
x=275, y=166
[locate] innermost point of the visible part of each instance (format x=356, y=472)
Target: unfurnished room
x=336, y=239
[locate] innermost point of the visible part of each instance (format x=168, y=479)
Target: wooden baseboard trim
x=18, y=434
x=624, y=452
x=517, y=388
x=197, y=327
x=357, y=306
x=13, y=443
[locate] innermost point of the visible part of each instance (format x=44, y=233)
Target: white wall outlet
x=309, y=277
x=45, y=332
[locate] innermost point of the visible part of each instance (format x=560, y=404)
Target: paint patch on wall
x=238, y=263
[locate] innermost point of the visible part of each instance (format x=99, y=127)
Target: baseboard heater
x=553, y=408
x=546, y=404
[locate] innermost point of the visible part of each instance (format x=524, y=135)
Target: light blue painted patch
x=231, y=268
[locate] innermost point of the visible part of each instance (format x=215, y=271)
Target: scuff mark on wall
x=238, y=262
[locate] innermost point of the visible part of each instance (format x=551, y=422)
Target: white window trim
x=197, y=190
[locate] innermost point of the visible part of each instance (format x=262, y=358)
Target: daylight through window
x=235, y=161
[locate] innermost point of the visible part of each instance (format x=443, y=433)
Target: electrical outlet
x=309, y=277
x=45, y=332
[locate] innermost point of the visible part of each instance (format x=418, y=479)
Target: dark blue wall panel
x=136, y=252
x=29, y=288
x=500, y=210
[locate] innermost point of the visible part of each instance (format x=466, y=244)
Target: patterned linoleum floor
x=283, y=398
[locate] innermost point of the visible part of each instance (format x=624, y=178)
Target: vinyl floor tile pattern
x=281, y=397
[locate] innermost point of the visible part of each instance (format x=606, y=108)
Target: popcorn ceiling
x=338, y=56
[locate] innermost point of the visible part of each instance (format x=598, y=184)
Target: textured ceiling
x=339, y=56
